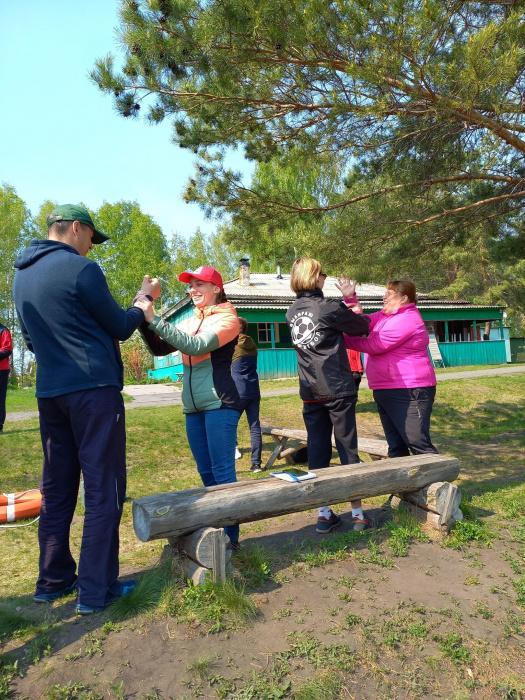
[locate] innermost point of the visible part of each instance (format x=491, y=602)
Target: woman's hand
x=346, y=286
x=147, y=307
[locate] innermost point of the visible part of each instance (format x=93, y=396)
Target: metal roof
x=269, y=291
x=269, y=285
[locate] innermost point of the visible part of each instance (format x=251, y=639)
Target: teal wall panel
x=274, y=364
x=487, y=352
x=172, y=372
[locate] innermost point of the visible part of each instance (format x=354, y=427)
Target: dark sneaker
x=325, y=525
x=121, y=589
x=255, y=468
x=359, y=524
x=55, y=595
x=82, y=609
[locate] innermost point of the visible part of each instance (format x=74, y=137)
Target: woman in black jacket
x=327, y=386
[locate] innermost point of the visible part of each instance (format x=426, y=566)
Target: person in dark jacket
x=244, y=373
x=72, y=323
x=6, y=350
x=326, y=385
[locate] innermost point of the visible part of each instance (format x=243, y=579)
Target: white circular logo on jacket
x=304, y=330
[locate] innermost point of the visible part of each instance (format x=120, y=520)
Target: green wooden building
x=461, y=333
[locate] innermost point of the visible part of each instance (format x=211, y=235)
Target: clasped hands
x=151, y=287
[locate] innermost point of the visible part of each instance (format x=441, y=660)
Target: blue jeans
x=212, y=436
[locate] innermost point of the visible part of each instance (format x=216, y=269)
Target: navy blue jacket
x=69, y=319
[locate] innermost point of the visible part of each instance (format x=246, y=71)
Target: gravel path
x=156, y=395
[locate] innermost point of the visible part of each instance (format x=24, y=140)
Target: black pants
x=405, y=415
x=320, y=420
x=82, y=432
x=252, y=407
x=4, y=376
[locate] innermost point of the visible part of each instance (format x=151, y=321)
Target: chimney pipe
x=244, y=272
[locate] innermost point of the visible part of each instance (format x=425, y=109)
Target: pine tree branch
x=376, y=193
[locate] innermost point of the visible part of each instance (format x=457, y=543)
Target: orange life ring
x=16, y=506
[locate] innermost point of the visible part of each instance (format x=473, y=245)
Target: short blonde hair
x=305, y=275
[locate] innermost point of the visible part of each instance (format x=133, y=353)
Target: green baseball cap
x=75, y=212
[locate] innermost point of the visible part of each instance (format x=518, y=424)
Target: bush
x=137, y=360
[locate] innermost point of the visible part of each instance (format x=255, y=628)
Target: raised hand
x=346, y=286
x=151, y=286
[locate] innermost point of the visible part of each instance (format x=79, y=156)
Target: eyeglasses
x=323, y=274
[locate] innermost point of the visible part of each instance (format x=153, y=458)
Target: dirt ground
x=436, y=623
x=439, y=589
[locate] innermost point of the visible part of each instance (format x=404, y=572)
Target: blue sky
x=60, y=137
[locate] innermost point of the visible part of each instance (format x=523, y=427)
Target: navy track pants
x=82, y=433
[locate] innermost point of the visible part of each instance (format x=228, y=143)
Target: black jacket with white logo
x=317, y=326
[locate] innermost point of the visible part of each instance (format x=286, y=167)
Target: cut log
x=436, y=504
x=421, y=515
x=441, y=497
x=178, y=513
x=195, y=573
x=201, y=546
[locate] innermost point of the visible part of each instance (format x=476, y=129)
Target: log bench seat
x=191, y=520
x=377, y=449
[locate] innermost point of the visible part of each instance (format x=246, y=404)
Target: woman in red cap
x=210, y=400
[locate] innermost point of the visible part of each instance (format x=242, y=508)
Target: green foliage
x=254, y=565
x=198, y=249
x=217, y=605
x=16, y=229
x=393, y=129
x=404, y=529
x=136, y=247
x=136, y=359
x=72, y=691
x=466, y=531
x=453, y=648
x=323, y=686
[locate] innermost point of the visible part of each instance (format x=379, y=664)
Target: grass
x=468, y=423
x=403, y=530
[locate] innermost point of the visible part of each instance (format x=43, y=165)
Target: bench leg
x=281, y=444
x=202, y=554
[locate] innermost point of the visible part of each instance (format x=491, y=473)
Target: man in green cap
x=72, y=323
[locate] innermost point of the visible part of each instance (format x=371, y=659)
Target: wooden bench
x=377, y=449
x=191, y=519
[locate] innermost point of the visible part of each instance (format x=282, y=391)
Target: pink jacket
x=397, y=350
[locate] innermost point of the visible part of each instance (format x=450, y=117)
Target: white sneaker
x=238, y=454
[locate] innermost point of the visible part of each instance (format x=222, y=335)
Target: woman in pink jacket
x=399, y=370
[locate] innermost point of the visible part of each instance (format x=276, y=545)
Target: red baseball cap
x=203, y=273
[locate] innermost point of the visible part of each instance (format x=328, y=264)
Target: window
x=264, y=333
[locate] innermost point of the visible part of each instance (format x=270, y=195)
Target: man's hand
x=151, y=286
x=147, y=307
x=346, y=286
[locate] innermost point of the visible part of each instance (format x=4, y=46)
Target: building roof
x=269, y=291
